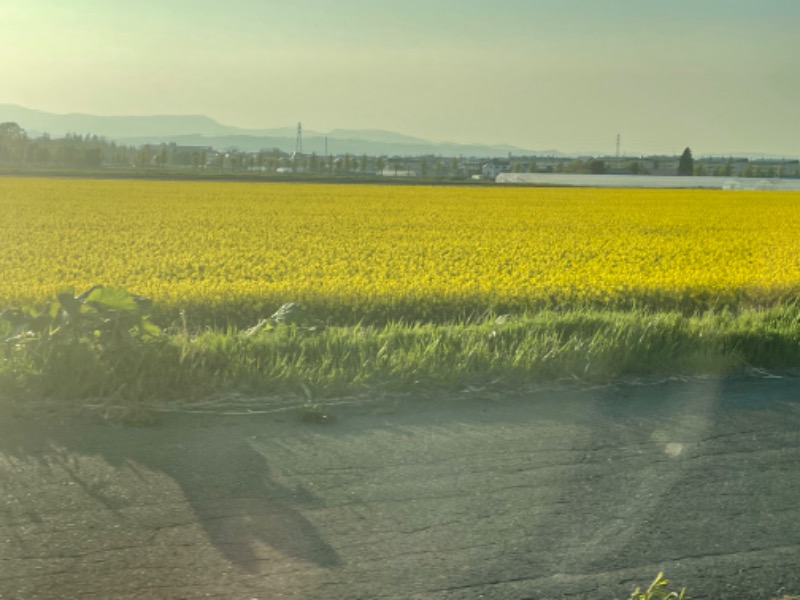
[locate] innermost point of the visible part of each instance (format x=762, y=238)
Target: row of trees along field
x=17, y=149
x=76, y=151
x=72, y=150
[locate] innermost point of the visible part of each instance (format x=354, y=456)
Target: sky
x=719, y=76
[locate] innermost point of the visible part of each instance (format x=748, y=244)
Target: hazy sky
x=715, y=75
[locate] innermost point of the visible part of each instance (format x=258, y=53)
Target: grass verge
x=592, y=345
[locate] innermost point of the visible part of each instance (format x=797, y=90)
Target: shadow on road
x=227, y=484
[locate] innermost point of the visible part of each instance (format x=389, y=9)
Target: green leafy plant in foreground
x=89, y=345
x=109, y=314
x=658, y=590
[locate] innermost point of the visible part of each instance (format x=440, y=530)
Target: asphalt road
x=547, y=493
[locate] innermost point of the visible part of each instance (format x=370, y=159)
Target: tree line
x=88, y=151
x=19, y=149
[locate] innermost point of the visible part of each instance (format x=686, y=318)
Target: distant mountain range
x=200, y=130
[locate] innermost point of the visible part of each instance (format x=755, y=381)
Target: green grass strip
x=587, y=345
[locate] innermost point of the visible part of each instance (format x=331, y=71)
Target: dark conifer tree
x=686, y=163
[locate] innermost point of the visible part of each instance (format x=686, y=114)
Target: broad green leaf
x=113, y=298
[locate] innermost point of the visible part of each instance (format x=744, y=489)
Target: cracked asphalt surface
x=545, y=493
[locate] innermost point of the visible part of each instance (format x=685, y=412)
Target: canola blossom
x=233, y=251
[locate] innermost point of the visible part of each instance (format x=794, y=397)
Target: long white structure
x=647, y=181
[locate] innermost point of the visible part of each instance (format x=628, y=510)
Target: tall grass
x=587, y=345
x=590, y=345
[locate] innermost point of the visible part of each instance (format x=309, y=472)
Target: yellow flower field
x=239, y=250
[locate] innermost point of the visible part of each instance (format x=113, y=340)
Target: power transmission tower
x=619, y=141
x=298, y=148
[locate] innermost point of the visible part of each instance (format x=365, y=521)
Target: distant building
x=660, y=165
x=491, y=170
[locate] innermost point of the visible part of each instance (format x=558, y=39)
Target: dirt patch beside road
x=549, y=493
